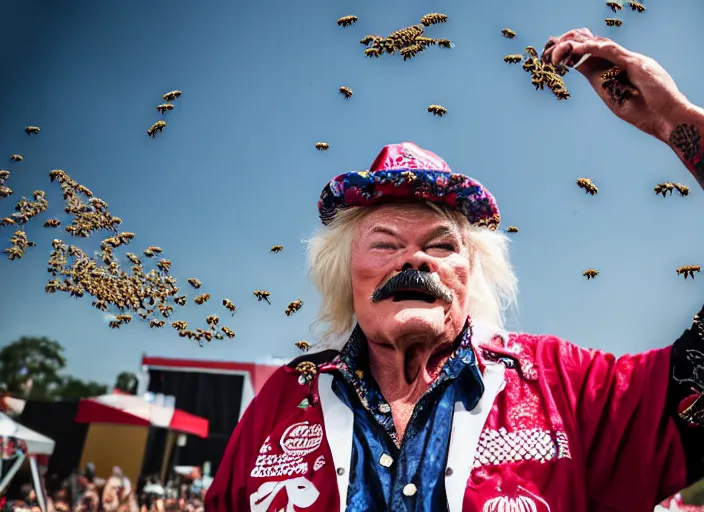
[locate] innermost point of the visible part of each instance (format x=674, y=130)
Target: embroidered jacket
x=557, y=428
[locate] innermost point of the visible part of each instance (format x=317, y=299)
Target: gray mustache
x=413, y=280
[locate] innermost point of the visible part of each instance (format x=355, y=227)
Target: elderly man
x=429, y=405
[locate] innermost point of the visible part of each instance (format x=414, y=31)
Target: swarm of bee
x=636, y=6
x=407, y=41
x=682, y=189
x=508, y=33
x=152, y=295
x=513, y=58
x=615, y=6
x=688, y=270
x=303, y=345
x=277, y=248
x=433, y=18
x=262, y=295
x=347, y=21
x=512, y=229
x=619, y=87
x=164, y=108
x=322, y=146
x=20, y=244
x=346, y=91
x=545, y=74
x=613, y=22
x=588, y=186
x=32, y=130
x=437, y=110
x=293, y=307
x=156, y=127
x=25, y=210
x=171, y=96
x=16, y=158
x=590, y=273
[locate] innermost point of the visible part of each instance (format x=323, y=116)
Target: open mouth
x=414, y=295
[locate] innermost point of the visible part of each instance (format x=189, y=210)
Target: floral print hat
x=405, y=171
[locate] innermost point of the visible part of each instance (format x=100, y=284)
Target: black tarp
x=214, y=396
x=56, y=420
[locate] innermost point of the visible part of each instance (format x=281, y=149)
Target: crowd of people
x=85, y=491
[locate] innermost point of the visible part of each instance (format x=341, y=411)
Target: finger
x=599, y=48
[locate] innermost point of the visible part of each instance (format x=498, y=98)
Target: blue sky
x=235, y=171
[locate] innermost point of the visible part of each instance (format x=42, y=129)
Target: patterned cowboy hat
x=406, y=172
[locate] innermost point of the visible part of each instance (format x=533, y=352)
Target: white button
x=386, y=460
x=409, y=490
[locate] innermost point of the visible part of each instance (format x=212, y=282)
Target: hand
x=645, y=96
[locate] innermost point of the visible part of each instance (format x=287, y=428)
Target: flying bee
x=370, y=38
x=164, y=108
x=613, y=22
x=508, y=33
x=164, y=265
x=372, y=52
x=228, y=332
x=322, y=146
x=125, y=237
x=411, y=51
x=5, y=191
x=115, y=324
x=346, y=21
x=682, y=189
x=437, y=110
x=277, y=248
x=636, y=6
x=425, y=41
x=4, y=174
x=212, y=320
x=148, y=253
x=7, y=221
x=590, y=273
x=346, y=91
x=664, y=188
x=531, y=51
x=615, y=6
x=202, y=299
x=688, y=270
x=172, y=95
x=165, y=310
x=514, y=58
x=512, y=229
x=133, y=258
x=180, y=301
x=52, y=223
x=16, y=158
x=125, y=319
x=446, y=43
x=156, y=127
x=588, y=186
x=229, y=305
x=433, y=18
x=303, y=345
x=32, y=130
x=194, y=282
x=179, y=325
x=154, y=323
x=262, y=295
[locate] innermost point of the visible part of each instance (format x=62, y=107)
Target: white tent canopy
x=37, y=444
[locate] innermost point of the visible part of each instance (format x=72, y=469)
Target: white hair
x=493, y=286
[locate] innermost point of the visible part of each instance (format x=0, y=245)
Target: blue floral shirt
x=381, y=467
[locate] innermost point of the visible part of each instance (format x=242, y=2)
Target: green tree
x=127, y=382
x=30, y=367
x=72, y=388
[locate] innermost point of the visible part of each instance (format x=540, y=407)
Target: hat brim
x=371, y=188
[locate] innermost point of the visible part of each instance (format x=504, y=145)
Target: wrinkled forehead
x=409, y=218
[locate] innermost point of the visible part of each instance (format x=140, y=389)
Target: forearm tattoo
x=687, y=140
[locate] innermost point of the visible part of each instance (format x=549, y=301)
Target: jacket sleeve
x=685, y=399
x=227, y=492
x=631, y=447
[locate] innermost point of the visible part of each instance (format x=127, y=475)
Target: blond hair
x=493, y=286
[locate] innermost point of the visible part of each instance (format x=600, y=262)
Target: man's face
x=397, y=237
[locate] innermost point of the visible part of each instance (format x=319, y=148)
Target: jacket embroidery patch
x=502, y=447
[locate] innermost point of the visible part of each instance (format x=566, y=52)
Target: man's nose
x=423, y=267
